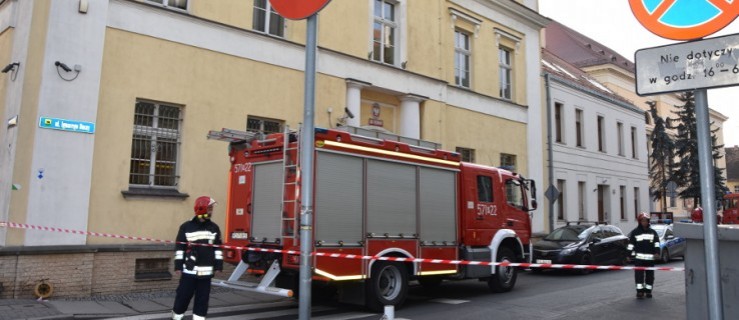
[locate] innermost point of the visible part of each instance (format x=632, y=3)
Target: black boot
x=649, y=295
x=639, y=295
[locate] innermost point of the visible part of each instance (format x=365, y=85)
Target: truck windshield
x=731, y=203
x=514, y=193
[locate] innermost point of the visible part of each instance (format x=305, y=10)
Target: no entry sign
x=298, y=9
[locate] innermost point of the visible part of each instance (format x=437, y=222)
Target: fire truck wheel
x=504, y=278
x=388, y=285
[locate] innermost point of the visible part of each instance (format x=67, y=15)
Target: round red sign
x=298, y=9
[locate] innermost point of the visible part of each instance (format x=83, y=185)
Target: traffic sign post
x=695, y=65
x=298, y=10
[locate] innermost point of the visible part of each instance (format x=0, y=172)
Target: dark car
x=671, y=246
x=582, y=244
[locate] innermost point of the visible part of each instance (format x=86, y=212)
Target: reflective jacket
x=644, y=243
x=193, y=256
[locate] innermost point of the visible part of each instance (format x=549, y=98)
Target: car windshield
x=568, y=233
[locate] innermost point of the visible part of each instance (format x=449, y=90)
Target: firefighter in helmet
x=644, y=246
x=196, y=260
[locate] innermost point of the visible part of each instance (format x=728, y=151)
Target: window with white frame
x=581, y=200
x=578, y=129
x=601, y=137
x=264, y=125
x=156, y=143
x=561, y=200
x=462, y=59
x=634, y=154
x=558, y=122
x=622, y=203
x=636, y=201
x=620, y=137
x=267, y=20
x=385, y=32
x=179, y=4
x=505, y=64
x=466, y=154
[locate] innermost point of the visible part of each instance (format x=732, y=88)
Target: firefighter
x=196, y=260
x=644, y=246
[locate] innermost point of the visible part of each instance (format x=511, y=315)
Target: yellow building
x=110, y=102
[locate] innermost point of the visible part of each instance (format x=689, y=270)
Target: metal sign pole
x=713, y=270
x=306, y=164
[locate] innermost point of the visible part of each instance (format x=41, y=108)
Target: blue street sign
x=66, y=125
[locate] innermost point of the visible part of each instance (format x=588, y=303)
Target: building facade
x=113, y=100
x=598, y=160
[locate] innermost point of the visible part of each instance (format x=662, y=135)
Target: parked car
x=671, y=246
x=582, y=244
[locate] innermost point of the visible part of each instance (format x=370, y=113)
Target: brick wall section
x=114, y=273
x=86, y=274
x=67, y=273
x=8, y=269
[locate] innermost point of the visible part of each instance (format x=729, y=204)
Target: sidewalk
x=221, y=301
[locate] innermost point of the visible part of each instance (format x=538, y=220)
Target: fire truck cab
x=731, y=209
x=372, y=198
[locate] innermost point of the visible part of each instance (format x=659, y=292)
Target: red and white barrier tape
x=348, y=256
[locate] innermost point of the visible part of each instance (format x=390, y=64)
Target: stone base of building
x=85, y=271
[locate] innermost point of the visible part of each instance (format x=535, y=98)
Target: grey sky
x=611, y=23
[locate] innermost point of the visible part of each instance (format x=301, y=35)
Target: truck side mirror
x=534, y=205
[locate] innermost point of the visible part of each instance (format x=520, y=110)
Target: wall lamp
x=66, y=68
x=10, y=66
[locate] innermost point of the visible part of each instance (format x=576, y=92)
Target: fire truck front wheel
x=388, y=285
x=504, y=278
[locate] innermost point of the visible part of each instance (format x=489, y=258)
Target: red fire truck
x=731, y=209
x=372, y=197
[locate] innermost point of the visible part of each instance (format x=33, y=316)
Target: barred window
x=263, y=125
x=508, y=161
x=467, y=154
x=179, y=4
x=156, y=143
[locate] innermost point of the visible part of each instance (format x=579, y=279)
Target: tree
x=687, y=171
x=663, y=153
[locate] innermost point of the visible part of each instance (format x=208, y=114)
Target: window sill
x=139, y=192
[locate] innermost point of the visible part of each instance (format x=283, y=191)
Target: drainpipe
x=550, y=161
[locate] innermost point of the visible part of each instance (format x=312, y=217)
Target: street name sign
x=66, y=125
x=702, y=64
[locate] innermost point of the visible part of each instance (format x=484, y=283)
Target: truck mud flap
x=264, y=286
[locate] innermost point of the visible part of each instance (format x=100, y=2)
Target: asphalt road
x=549, y=295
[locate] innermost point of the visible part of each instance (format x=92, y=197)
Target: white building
x=598, y=157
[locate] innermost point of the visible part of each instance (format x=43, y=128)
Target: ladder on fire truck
x=266, y=285
x=290, y=167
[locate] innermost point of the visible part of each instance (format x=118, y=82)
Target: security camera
x=63, y=66
x=9, y=67
x=349, y=113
